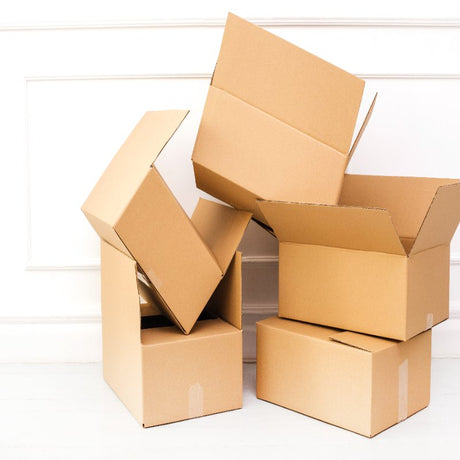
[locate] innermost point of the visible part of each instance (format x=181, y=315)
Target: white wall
x=75, y=79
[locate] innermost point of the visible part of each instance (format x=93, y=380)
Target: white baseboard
x=49, y=340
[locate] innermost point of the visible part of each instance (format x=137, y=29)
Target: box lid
x=288, y=83
x=367, y=229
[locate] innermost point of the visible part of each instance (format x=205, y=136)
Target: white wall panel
x=75, y=80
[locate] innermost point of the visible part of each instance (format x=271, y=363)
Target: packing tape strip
x=429, y=321
x=403, y=390
x=195, y=400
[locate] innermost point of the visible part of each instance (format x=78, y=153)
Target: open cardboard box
x=378, y=263
x=159, y=373
x=362, y=383
x=278, y=122
x=132, y=208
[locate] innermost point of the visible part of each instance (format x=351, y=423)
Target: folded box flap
x=289, y=83
x=221, y=228
x=129, y=166
x=226, y=302
x=441, y=220
x=363, y=342
x=367, y=229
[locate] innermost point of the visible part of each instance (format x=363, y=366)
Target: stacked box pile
x=363, y=264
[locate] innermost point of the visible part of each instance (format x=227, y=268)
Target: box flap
x=288, y=83
x=363, y=342
x=407, y=199
x=441, y=219
x=226, y=302
x=221, y=228
x=129, y=166
x=367, y=229
x=362, y=128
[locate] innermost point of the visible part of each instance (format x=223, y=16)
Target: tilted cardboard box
x=278, y=122
x=132, y=208
x=160, y=374
x=362, y=383
x=382, y=269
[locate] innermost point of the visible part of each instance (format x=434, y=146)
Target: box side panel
x=265, y=156
x=169, y=250
x=121, y=344
x=406, y=198
x=322, y=379
x=353, y=290
x=226, y=301
x=289, y=83
x=401, y=381
x=221, y=228
x=428, y=289
x=193, y=377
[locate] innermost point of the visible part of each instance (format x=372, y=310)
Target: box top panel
x=221, y=228
x=367, y=229
x=289, y=83
x=129, y=166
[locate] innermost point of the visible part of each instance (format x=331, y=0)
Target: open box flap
x=226, y=302
x=441, y=220
x=129, y=166
x=367, y=229
x=407, y=199
x=221, y=228
x=363, y=342
x=288, y=83
x=362, y=128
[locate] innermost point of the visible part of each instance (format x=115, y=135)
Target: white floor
x=66, y=411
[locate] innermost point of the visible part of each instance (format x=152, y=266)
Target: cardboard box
x=278, y=122
x=358, y=382
x=382, y=269
x=160, y=374
x=132, y=208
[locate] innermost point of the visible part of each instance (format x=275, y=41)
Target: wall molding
x=94, y=264
x=424, y=23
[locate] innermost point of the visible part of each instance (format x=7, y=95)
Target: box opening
x=157, y=321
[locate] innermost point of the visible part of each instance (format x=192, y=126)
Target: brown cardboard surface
x=366, y=229
x=264, y=71
x=226, y=302
x=346, y=266
x=340, y=383
x=355, y=290
x=133, y=209
x=274, y=111
x=160, y=374
x=221, y=228
x=246, y=146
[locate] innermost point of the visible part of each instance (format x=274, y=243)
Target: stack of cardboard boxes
x=363, y=264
